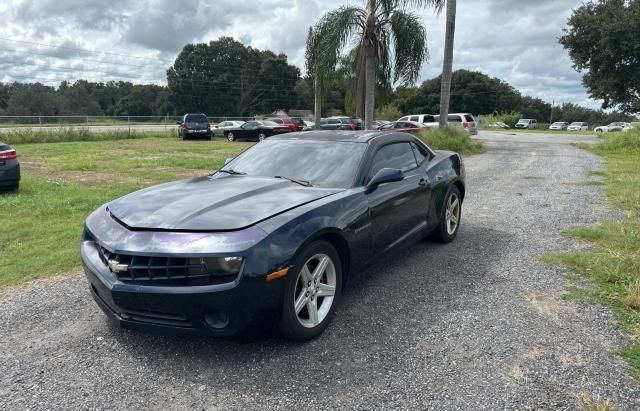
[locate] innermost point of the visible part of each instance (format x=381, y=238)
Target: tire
x=300, y=324
x=446, y=232
x=262, y=136
x=231, y=137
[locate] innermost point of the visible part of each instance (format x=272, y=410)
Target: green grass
x=612, y=265
x=64, y=182
x=453, y=139
x=57, y=135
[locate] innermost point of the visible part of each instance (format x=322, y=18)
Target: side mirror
x=386, y=175
x=227, y=160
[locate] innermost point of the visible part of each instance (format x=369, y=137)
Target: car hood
x=216, y=203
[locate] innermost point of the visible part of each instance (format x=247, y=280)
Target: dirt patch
x=550, y=306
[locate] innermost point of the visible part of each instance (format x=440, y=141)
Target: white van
x=464, y=120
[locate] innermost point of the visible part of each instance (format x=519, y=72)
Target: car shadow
x=384, y=311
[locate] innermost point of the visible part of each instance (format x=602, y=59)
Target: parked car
x=309, y=125
x=404, y=127
x=337, y=123
x=578, y=126
x=464, y=120
x=256, y=130
x=294, y=123
x=616, y=126
x=527, y=123
x=359, y=123
x=559, y=125
x=429, y=120
x=218, y=129
x=629, y=127
x=270, y=238
x=378, y=123
x=9, y=168
x=500, y=124
x=194, y=126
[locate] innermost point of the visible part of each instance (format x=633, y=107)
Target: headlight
x=216, y=266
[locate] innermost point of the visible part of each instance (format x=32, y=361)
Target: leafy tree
x=385, y=31
x=603, y=40
x=471, y=92
x=225, y=77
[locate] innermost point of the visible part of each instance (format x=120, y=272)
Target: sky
x=137, y=40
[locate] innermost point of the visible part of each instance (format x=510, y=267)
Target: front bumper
x=218, y=310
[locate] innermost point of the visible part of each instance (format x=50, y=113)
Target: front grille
x=164, y=271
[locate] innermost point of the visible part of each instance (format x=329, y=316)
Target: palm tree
x=447, y=65
x=391, y=42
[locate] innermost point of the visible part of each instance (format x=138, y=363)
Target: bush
x=508, y=118
x=453, y=139
x=389, y=112
x=36, y=135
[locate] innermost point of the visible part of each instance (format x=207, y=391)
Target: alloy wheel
x=231, y=137
x=262, y=136
x=315, y=290
x=452, y=213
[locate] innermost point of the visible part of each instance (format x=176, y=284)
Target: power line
x=77, y=49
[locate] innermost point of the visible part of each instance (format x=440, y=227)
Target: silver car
x=559, y=125
x=218, y=129
x=528, y=123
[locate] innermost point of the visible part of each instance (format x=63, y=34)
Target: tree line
x=226, y=78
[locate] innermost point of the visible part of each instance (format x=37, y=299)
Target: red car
x=412, y=127
x=295, y=124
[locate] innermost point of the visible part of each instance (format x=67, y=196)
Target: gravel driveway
x=477, y=324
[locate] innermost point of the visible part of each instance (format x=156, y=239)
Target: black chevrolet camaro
x=276, y=233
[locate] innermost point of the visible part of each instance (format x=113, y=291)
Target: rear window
x=4, y=147
x=469, y=118
x=196, y=118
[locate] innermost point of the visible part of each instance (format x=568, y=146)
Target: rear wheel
x=262, y=136
x=231, y=137
x=312, y=293
x=451, y=217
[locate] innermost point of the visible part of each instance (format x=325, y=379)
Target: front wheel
x=231, y=137
x=312, y=293
x=451, y=217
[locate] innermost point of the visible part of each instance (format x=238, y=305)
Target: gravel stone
x=476, y=324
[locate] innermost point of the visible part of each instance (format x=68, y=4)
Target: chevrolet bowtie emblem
x=116, y=267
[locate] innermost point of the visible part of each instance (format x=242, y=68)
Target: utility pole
x=553, y=105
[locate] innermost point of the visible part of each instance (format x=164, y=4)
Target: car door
x=398, y=210
x=247, y=130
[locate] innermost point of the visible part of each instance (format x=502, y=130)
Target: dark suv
x=337, y=123
x=194, y=126
x=9, y=168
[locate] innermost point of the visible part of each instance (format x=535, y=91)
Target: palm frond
x=410, y=46
x=406, y=4
x=335, y=29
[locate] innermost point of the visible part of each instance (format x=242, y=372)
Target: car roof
x=339, y=135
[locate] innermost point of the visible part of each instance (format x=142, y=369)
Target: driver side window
x=398, y=156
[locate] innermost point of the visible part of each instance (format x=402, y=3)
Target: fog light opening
x=216, y=319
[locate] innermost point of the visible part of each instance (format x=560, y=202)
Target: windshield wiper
x=294, y=180
x=232, y=172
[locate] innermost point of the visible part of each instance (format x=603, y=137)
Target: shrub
x=508, y=118
x=453, y=139
x=388, y=112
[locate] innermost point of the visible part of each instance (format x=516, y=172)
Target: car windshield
x=331, y=164
x=558, y=124
x=576, y=124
